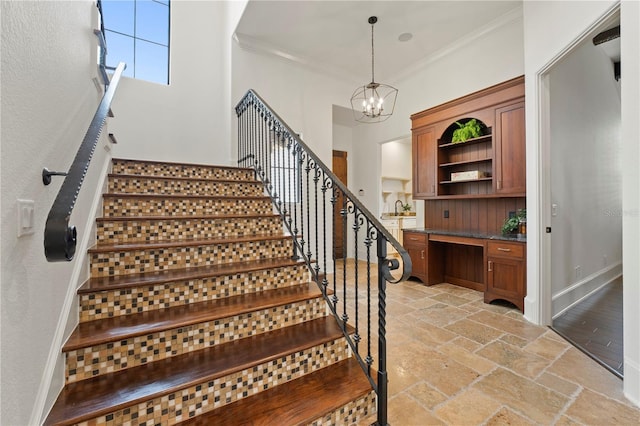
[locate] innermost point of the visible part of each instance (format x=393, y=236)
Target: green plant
x=406, y=207
x=510, y=225
x=471, y=129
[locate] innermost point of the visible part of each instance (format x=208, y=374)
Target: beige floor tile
x=514, y=359
x=400, y=378
x=426, y=395
x=516, y=327
x=466, y=358
x=475, y=331
x=576, y=367
x=468, y=344
x=471, y=407
x=429, y=334
x=557, y=384
x=547, y=348
x=439, y=314
x=450, y=299
x=541, y=404
x=505, y=416
x=404, y=410
x=566, y=421
x=594, y=409
x=514, y=340
x=443, y=373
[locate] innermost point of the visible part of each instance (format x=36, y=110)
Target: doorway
x=339, y=168
x=584, y=199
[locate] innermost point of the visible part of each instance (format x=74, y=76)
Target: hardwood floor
x=595, y=326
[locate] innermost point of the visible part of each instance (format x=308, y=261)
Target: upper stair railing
x=330, y=226
x=59, y=237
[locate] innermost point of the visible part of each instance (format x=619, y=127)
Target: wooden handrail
x=59, y=237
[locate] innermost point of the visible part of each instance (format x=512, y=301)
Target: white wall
x=48, y=99
x=586, y=175
x=541, y=48
x=157, y=122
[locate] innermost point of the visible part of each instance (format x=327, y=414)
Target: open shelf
x=485, y=138
x=459, y=163
x=447, y=182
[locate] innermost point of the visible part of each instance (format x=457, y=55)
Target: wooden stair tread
x=118, y=282
x=182, y=178
x=190, y=218
x=101, y=395
x=150, y=245
x=297, y=402
x=118, y=328
x=209, y=166
x=186, y=196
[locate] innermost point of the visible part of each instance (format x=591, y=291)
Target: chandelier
x=373, y=102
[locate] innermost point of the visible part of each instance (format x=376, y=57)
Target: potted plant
x=406, y=208
x=469, y=130
x=512, y=224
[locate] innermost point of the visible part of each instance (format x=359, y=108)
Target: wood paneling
x=484, y=216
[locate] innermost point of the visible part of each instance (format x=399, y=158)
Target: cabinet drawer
x=505, y=249
x=414, y=238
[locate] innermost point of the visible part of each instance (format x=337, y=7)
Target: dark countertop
x=517, y=237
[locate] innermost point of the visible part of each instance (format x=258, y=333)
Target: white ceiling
x=334, y=37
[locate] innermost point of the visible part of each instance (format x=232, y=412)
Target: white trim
x=55, y=354
x=539, y=310
x=581, y=290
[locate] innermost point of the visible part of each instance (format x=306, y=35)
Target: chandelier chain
x=372, y=55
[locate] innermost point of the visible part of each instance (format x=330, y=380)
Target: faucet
x=395, y=207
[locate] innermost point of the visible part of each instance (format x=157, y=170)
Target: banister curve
x=59, y=237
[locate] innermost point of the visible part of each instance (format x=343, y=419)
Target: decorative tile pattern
x=167, y=229
x=171, y=258
x=119, y=355
x=195, y=400
x=114, y=205
x=143, y=168
x=351, y=413
x=157, y=185
x=112, y=303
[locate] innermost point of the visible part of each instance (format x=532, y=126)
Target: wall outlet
x=578, y=271
x=446, y=214
x=512, y=214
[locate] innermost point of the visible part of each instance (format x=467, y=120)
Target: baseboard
x=579, y=291
x=52, y=380
x=632, y=381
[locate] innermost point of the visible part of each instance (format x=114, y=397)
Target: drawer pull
x=422, y=254
x=490, y=263
x=504, y=249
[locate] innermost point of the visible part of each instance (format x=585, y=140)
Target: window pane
x=118, y=15
x=152, y=21
x=152, y=62
x=120, y=49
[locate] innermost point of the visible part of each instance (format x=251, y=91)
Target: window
x=137, y=32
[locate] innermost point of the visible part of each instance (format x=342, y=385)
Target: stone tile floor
x=454, y=360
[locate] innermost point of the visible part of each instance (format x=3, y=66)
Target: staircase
x=195, y=312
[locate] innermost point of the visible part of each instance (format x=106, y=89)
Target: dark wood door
x=510, y=174
x=424, y=163
x=339, y=168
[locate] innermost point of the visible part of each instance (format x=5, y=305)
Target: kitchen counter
x=466, y=234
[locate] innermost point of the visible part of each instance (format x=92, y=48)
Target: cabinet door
x=510, y=157
x=418, y=262
x=505, y=280
x=424, y=163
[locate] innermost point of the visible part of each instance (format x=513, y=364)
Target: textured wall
x=48, y=99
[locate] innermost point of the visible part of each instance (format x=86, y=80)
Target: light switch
x=25, y=217
x=554, y=210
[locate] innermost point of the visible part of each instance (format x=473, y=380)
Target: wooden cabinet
x=416, y=245
x=497, y=158
x=510, y=158
x=506, y=272
x=424, y=163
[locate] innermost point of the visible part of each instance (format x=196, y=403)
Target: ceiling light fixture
x=373, y=102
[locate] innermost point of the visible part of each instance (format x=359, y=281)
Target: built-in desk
x=493, y=264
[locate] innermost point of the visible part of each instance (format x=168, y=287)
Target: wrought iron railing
x=331, y=229
x=59, y=237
